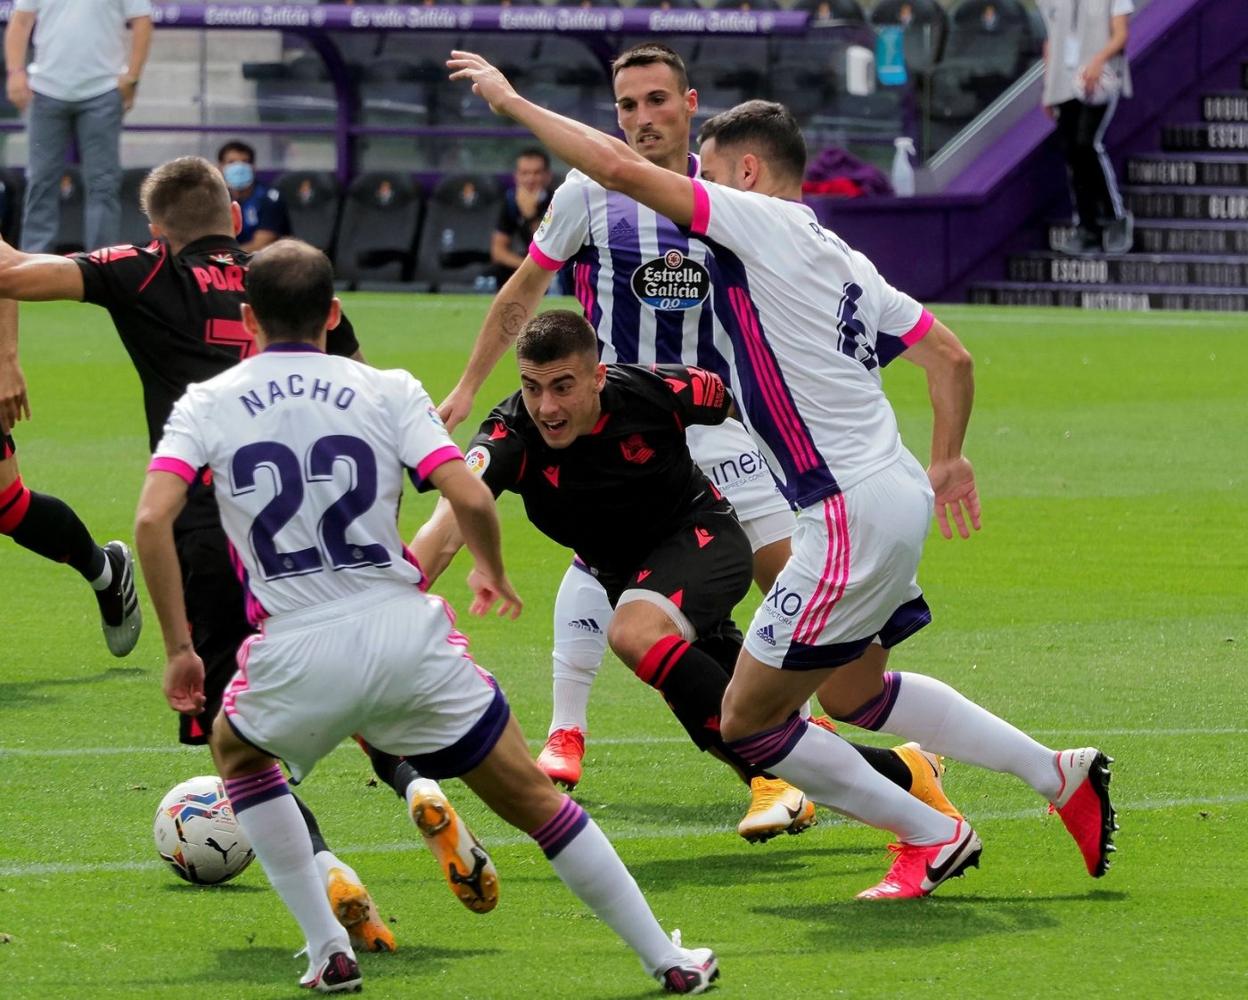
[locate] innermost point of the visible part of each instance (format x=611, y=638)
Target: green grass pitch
x=1104, y=602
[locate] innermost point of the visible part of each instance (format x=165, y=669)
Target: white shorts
x=851, y=578
x=387, y=664
x=734, y=463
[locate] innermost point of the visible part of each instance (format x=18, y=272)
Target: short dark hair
x=769, y=128
x=290, y=288
x=187, y=198
x=236, y=146
x=534, y=152
x=555, y=335
x=649, y=53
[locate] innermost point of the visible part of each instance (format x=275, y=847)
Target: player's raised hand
x=14, y=403
x=487, y=589
x=487, y=81
x=184, y=682
x=953, y=482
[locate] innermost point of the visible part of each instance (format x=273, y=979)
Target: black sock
x=887, y=763
x=314, y=831
x=51, y=529
x=394, y=771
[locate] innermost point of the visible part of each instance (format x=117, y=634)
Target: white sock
x=832, y=773
x=325, y=860
x=582, y=614
x=103, y=581
x=932, y=713
x=279, y=837
x=588, y=865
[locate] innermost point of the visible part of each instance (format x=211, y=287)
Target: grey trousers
x=96, y=125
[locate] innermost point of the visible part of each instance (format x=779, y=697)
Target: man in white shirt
x=79, y=87
x=310, y=451
x=810, y=322
x=1085, y=73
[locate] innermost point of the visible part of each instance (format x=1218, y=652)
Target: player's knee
x=626, y=642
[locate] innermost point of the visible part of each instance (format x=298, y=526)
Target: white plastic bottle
x=903, y=172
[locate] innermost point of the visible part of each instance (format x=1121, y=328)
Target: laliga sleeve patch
x=545, y=223
x=477, y=460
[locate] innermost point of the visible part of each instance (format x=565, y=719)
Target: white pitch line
x=173, y=748
x=623, y=835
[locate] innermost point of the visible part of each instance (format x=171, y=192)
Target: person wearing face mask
x=264, y=216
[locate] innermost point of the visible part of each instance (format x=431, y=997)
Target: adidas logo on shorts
x=586, y=625
x=768, y=634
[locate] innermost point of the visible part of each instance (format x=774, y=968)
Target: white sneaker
x=694, y=974
x=340, y=973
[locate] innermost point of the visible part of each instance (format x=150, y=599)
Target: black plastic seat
x=454, y=250
x=312, y=201
x=379, y=220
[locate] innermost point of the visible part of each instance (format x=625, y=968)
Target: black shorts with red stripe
x=704, y=568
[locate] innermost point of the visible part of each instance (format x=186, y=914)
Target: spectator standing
x=1086, y=74
x=264, y=214
x=79, y=86
x=521, y=212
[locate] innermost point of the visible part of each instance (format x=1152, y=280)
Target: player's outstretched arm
x=476, y=517
x=162, y=499
x=604, y=158
x=513, y=306
x=14, y=403
x=950, y=374
x=38, y=277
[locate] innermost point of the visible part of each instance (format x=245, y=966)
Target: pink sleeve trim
x=175, y=465
x=919, y=330
x=544, y=261
x=447, y=453
x=701, y=208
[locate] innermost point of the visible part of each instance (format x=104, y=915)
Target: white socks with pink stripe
x=589, y=866
x=932, y=713
x=280, y=839
x=832, y=773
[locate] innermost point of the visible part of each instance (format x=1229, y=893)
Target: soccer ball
x=196, y=832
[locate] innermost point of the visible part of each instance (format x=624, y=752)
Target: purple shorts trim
x=471, y=748
x=903, y=623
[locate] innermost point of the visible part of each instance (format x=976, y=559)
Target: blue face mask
x=239, y=175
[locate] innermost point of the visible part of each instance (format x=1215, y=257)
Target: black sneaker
x=340, y=973
x=120, y=617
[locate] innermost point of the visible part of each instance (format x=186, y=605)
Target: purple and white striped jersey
x=639, y=278
x=810, y=322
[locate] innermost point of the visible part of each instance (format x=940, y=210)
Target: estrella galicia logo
x=672, y=282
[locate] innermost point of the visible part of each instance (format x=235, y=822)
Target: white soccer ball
x=196, y=832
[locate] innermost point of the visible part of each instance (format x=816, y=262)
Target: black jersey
x=613, y=494
x=178, y=314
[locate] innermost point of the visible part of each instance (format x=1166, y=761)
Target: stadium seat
x=133, y=221
x=727, y=70
x=312, y=201
x=395, y=92
x=568, y=78
x=454, y=248
x=823, y=11
x=985, y=52
x=69, y=230
x=296, y=91
x=924, y=25
x=379, y=220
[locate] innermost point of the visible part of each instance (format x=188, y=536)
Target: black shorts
x=705, y=567
x=215, y=609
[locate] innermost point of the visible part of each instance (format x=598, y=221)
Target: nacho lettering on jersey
x=811, y=322
x=640, y=281
x=309, y=453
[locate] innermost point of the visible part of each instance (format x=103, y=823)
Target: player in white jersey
x=809, y=322
x=309, y=452
x=642, y=284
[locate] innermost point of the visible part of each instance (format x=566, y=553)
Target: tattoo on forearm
x=512, y=316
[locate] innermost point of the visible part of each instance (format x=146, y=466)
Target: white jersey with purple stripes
x=639, y=278
x=809, y=323
x=642, y=283
x=308, y=452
